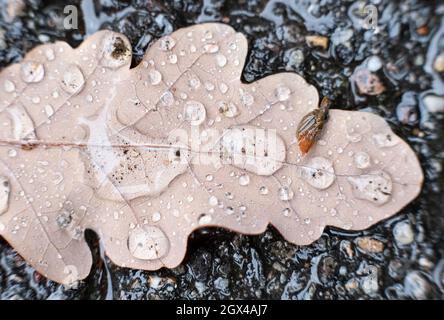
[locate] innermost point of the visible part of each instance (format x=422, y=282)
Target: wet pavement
x=393, y=66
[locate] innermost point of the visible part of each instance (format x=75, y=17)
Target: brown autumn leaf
x=144, y=156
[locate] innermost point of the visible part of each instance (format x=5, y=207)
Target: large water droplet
x=221, y=60
x=194, y=112
x=148, y=243
x=282, y=93
x=23, y=128
x=244, y=180
x=318, y=172
x=5, y=189
x=383, y=140
x=155, y=77
x=32, y=72
x=9, y=86
x=375, y=187
x=73, y=79
x=362, y=160
x=285, y=193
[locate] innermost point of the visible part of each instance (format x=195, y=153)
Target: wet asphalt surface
x=400, y=258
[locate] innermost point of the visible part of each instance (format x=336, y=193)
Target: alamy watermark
x=71, y=20
x=255, y=148
x=371, y=16
x=370, y=11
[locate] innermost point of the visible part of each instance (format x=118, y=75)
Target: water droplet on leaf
x=49, y=110
x=221, y=60
x=155, y=77
x=318, y=172
x=263, y=190
x=167, y=43
x=212, y=201
x=285, y=193
x=383, y=140
x=282, y=93
x=205, y=219
x=23, y=125
x=244, y=180
x=362, y=160
x=72, y=80
x=148, y=243
x=375, y=187
x=9, y=86
x=156, y=216
x=32, y=72
x=195, y=112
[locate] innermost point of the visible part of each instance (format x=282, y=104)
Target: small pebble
x=425, y=263
x=434, y=104
x=346, y=248
x=374, y=63
x=342, y=36
x=403, y=233
x=352, y=285
x=317, y=41
x=370, y=245
x=294, y=58
x=14, y=9
x=369, y=283
x=2, y=40
x=406, y=110
x=438, y=64
x=416, y=286
x=395, y=269
x=367, y=82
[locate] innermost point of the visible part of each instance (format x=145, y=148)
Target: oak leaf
x=144, y=156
